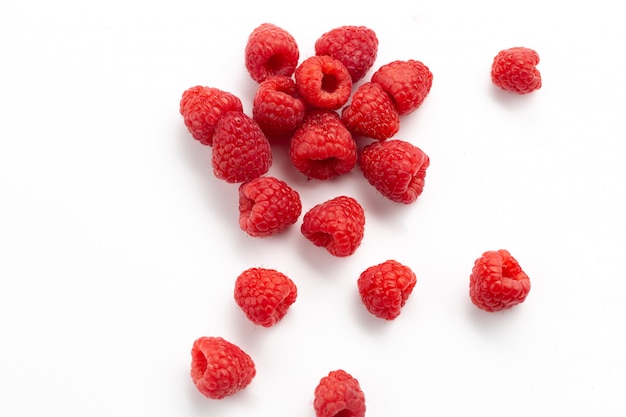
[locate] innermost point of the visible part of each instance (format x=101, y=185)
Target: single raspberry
x=241, y=151
x=323, y=82
x=337, y=225
x=371, y=113
x=497, y=281
x=219, y=368
x=202, y=107
x=396, y=168
x=355, y=46
x=407, y=82
x=339, y=394
x=267, y=206
x=270, y=51
x=385, y=288
x=322, y=147
x=264, y=295
x=277, y=107
x=515, y=70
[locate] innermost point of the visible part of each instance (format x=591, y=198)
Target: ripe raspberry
x=202, y=107
x=322, y=147
x=267, y=206
x=371, y=113
x=270, y=51
x=497, y=281
x=339, y=394
x=241, y=151
x=220, y=368
x=277, y=108
x=264, y=295
x=514, y=70
x=407, y=82
x=323, y=82
x=337, y=225
x=396, y=168
x=355, y=46
x=385, y=288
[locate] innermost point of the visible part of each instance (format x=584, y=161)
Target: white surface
x=118, y=246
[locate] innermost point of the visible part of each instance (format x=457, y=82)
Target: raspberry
x=337, y=225
x=220, y=368
x=407, y=82
x=396, y=168
x=277, y=108
x=241, y=151
x=202, y=107
x=264, y=295
x=323, y=82
x=371, y=113
x=385, y=288
x=514, y=70
x=339, y=394
x=270, y=51
x=497, y=281
x=322, y=147
x=267, y=206
x=355, y=46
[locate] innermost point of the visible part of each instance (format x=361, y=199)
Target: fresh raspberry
x=277, y=107
x=202, y=107
x=339, y=394
x=396, y=168
x=322, y=147
x=270, y=51
x=515, y=70
x=355, y=46
x=220, y=368
x=407, y=82
x=337, y=225
x=371, y=113
x=323, y=82
x=385, y=288
x=267, y=206
x=497, y=281
x=241, y=151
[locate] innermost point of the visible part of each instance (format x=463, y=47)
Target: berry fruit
x=396, y=168
x=407, y=82
x=337, y=225
x=371, y=113
x=267, y=206
x=385, y=288
x=323, y=82
x=277, y=107
x=339, y=394
x=264, y=295
x=497, y=281
x=515, y=70
x=220, y=368
x=270, y=51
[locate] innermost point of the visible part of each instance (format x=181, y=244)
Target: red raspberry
x=241, y=151
x=337, y=225
x=497, y=281
x=220, y=368
x=277, y=108
x=385, y=288
x=323, y=82
x=267, y=206
x=339, y=394
x=202, y=107
x=371, y=113
x=355, y=46
x=264, y=295
x=322, y=147
x=270, y=51
x=396, y=168
x=407, y=82
x=514, y=70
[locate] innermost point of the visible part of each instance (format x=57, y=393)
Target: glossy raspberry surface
x=385, y=288
x=515, y=69
x=355, y=46
x=271, y=50
x=339, y=394
x=371, y=113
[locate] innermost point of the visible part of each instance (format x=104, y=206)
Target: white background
x=118, y=246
